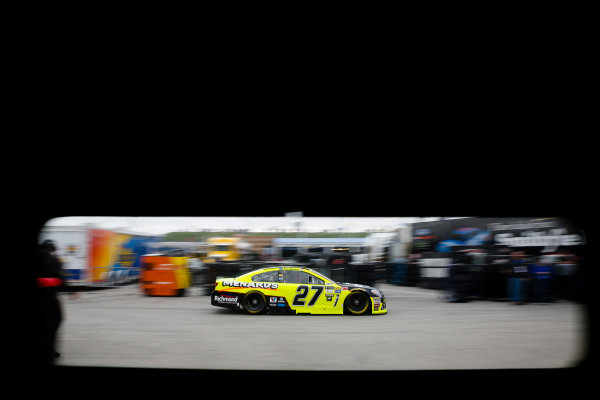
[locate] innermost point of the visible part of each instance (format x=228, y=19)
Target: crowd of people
x=512, y=275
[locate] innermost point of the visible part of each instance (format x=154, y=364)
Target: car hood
x=351, y=286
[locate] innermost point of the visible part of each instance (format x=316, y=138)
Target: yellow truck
x=224, y=249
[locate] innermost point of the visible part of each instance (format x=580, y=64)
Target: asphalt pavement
x=119, y=327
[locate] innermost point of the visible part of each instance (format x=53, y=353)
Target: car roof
x=285, y=267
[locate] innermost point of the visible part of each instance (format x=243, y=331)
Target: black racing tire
x=254, y=302
x=357, y=303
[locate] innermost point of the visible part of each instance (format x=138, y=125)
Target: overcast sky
x=162, y=225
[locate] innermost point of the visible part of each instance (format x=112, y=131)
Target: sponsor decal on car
x=224, y=298
x=276, y=301
x=262, y=285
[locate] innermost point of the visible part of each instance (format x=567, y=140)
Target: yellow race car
x=292, y=289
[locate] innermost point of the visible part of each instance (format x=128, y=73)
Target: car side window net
x=313, y=279
x=291, y=276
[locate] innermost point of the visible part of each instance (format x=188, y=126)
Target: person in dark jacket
x=459, y=278
x=50, y=282
x=518, y=283
x=541, y=284
x=566, y=273
x=501, y=271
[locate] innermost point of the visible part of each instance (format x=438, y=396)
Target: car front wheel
x=357, y=303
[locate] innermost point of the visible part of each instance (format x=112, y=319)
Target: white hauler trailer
x=386, y=246
x=97, y=257
x=72, y=249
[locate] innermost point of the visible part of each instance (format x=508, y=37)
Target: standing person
x=566, y=272
x=542, y=280
x=50, y=281
x=517, y=283
x=501, y=273
x=459, y=279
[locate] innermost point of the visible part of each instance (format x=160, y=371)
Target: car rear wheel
x=254, y=302
x=357, y=303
